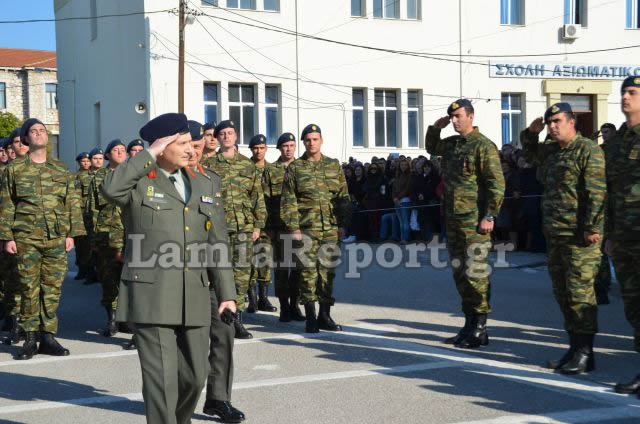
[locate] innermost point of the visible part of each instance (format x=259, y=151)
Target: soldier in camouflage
x=244, y=209
x=40, y=214
x=473, y=193
x=83, y=248
x=20, y=149
x=210, y=142
x=573, y=175
x=315, y=206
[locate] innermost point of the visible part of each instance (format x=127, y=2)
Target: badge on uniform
x=208, y=225
x=150, y=191
x=218, y=194
x=206, y=199
x=634, y=153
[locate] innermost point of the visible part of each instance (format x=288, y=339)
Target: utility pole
x=297, y=79
x=181, y=25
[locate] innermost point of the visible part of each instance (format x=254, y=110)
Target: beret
x=164, y=125
x=557, y=108
x=114, y=143
x=15, y=133
x=3, y=143
x=133, y=143
x=457, y=105
x=311, y=128
x=285, y=137
x=223, y=125
x=96, y=151
x=209, y=126
x=630, y=81
x=26, y=127
x=196, y=130
x=257, y=140
x=83, y=155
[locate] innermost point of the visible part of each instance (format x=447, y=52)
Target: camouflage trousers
x=625, y=258
x=108, y=270
x=287, y=277
x=320, y=248
x=9, y=284
x=469, y=256
x=262, y=261
x=603, y=277
x=42, y=266
x=83, y=251
x=241, y=247
x=572, y=267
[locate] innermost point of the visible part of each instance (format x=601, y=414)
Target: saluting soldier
x=315, y=203
x=40, y=210
x=83, y=248
x=210, y=141
x=135, y=146
x=244, y=207
x=573, y=176
x=169, y=305
x=473, y=193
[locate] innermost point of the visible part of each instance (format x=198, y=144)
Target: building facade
x=29, y=86
x=373, y=74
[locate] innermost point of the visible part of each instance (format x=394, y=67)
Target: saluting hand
x=537, y=125
x=442, y=122
x=160, y=144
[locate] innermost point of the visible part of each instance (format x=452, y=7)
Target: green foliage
x=8, y=122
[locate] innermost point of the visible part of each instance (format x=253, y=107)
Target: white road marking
x=575, y=416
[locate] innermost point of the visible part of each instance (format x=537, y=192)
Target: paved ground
x=388, y=366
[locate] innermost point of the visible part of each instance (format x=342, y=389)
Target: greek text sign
x=562, y=70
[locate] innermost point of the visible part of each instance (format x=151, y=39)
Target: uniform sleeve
x=91, y=210
x=608, y=211
x=268, y=199
x=116, y=233
x=118, y=185
x=433, y=143
x=493, y=178
x=73, y=206
x=532, y=150
x=7, y=207
x=289, y=202
x=257, y=200
x=595, y=188
x=342, y=200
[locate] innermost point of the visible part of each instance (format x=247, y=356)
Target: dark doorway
x=582, y=106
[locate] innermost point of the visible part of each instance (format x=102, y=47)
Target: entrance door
x=583, y=109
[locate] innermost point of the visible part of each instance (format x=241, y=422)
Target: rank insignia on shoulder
x=150, y=191
x=208, y=225
x=206, y=199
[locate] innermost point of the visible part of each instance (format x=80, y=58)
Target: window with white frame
x=272, y=5
x=512, y=12
x=389, y=9
x=210, y=102
x=575, y=12
x=358, y=7
x=414, y=107
x=242, y=110
x=242, y=4
x=413, y=9
x=3, y=95
x=359, y=115
x=512, y=117
x=51, y=96
x=210, y=3
x=386, y=117
x=633, y=14
x=271, y=109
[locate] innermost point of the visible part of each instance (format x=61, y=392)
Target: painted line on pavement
x=575, y=416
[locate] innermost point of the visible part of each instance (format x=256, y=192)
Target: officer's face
x=117, y=155
x=210, y=142
x=631, y=100
x=85, y=164
x=135, y=150
x=198, y=149
x=288, y=150
x=178, y=153
x=227, y=137
x=461, y=120
x=259, y=152
x=97, y=161
x=312, y=142
x=19, y=149
x=561, y=127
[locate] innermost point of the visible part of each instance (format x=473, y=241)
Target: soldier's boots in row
x=224, y=410
x=16, y=333
x=311, y=326
x=583, y=359
x=463, y=333
x=325, y=322
x=112, y=326
x=48, y=346
x=241, y=332
x=3, y=311
x=83, y=271
x=6, y=323
x=556, y=364
x=92, y=276
x=629, y=387
x=131, y=344
x=252, y=307
x=474, y=333
x=602, y=297
x=260, y=303
x=289, y=309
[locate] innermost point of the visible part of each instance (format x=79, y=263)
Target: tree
x=8, y=123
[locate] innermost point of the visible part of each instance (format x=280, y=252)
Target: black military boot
x=112, y=326
x=241, y=332
x=463, y=333
x=124, y=327
x=253, y=300
x=285, y=312
x=478, y=335
x=296, y=314
x=131, y=344
x=82, y=273
x=263, y=299
x=30, y=346
x=6, y=324
x=224, y=410
x=559, y=363
x=50, y=346
x=583, y=359
x=632, y=386
x=312, y=322
x=92, y=277
x=602, y=297
x=3, y=312
x=16, y=333
x=325, y=322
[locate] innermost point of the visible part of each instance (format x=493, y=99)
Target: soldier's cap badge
x=291, y=137
x=555, y=109
x=454, y=105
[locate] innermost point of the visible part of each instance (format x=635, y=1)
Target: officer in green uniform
x=623, y=212
x=40, y=213
x=167, y=296
x=244, y=207
x=315, y=205
x=262, y=261
x=83, y=248
x=473, y=193
x=573, y=175
x=107, y=236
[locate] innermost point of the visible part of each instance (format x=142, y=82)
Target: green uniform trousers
x=221, y=338
x=469, y=256
x=287, y=275
x=625, y=258
x=109, y=271
x=9, y=284
x=242, y=249
x=316, y=278
x=174, y=365
x=42, y=266
x=573, y=266
x=603, y=277
x=263, y=261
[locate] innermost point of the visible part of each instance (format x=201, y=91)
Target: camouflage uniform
x=244, y=211
x=262, y=273
x=572, y=204
x=473, y=188
x=316, y=201
x=9, y=280
x=83, y=247
x=623, y=218
x=39, y=208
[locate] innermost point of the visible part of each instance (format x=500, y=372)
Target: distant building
x=29, y=87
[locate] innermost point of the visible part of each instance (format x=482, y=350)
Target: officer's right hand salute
x=442, y=122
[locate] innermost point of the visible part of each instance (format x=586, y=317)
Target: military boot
x=253, y=300
x=583, y=359
x=602, y=297
x=16, y=333
x=3, y=312
x=82, y=273
x=124, y=327
x=6, y=324
x=463, y=333
x=296, y=315
x=50, y=346
x=478, y=335
x=263, y=300
x=557, y=364
x=629, y=387
x=312, y=322
x=112, y=326
x=285, y=312
x=92, y=277
x=325, y=322
x=241, y=332
x=30, y=346
x=131, y=344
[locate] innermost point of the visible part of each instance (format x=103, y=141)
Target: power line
x=82, y=18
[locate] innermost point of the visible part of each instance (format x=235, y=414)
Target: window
x=94, y=21
x=575, y=12
x=512, y=117
x=242, y=110
x=386, y=117
x=357, y=7
x=389, y=9
x=243, y=4
x=512, y=12
x=358, y=114
x=413, y=111
x=413, y=9
x=3, y=95
x=54, y=141
x=210, y=3
x=633, y=14
x=51, y=96
x=210, y=102
x=271, y=106
x=273, y=5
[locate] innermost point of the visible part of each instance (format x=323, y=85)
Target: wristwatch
x=489, y=218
